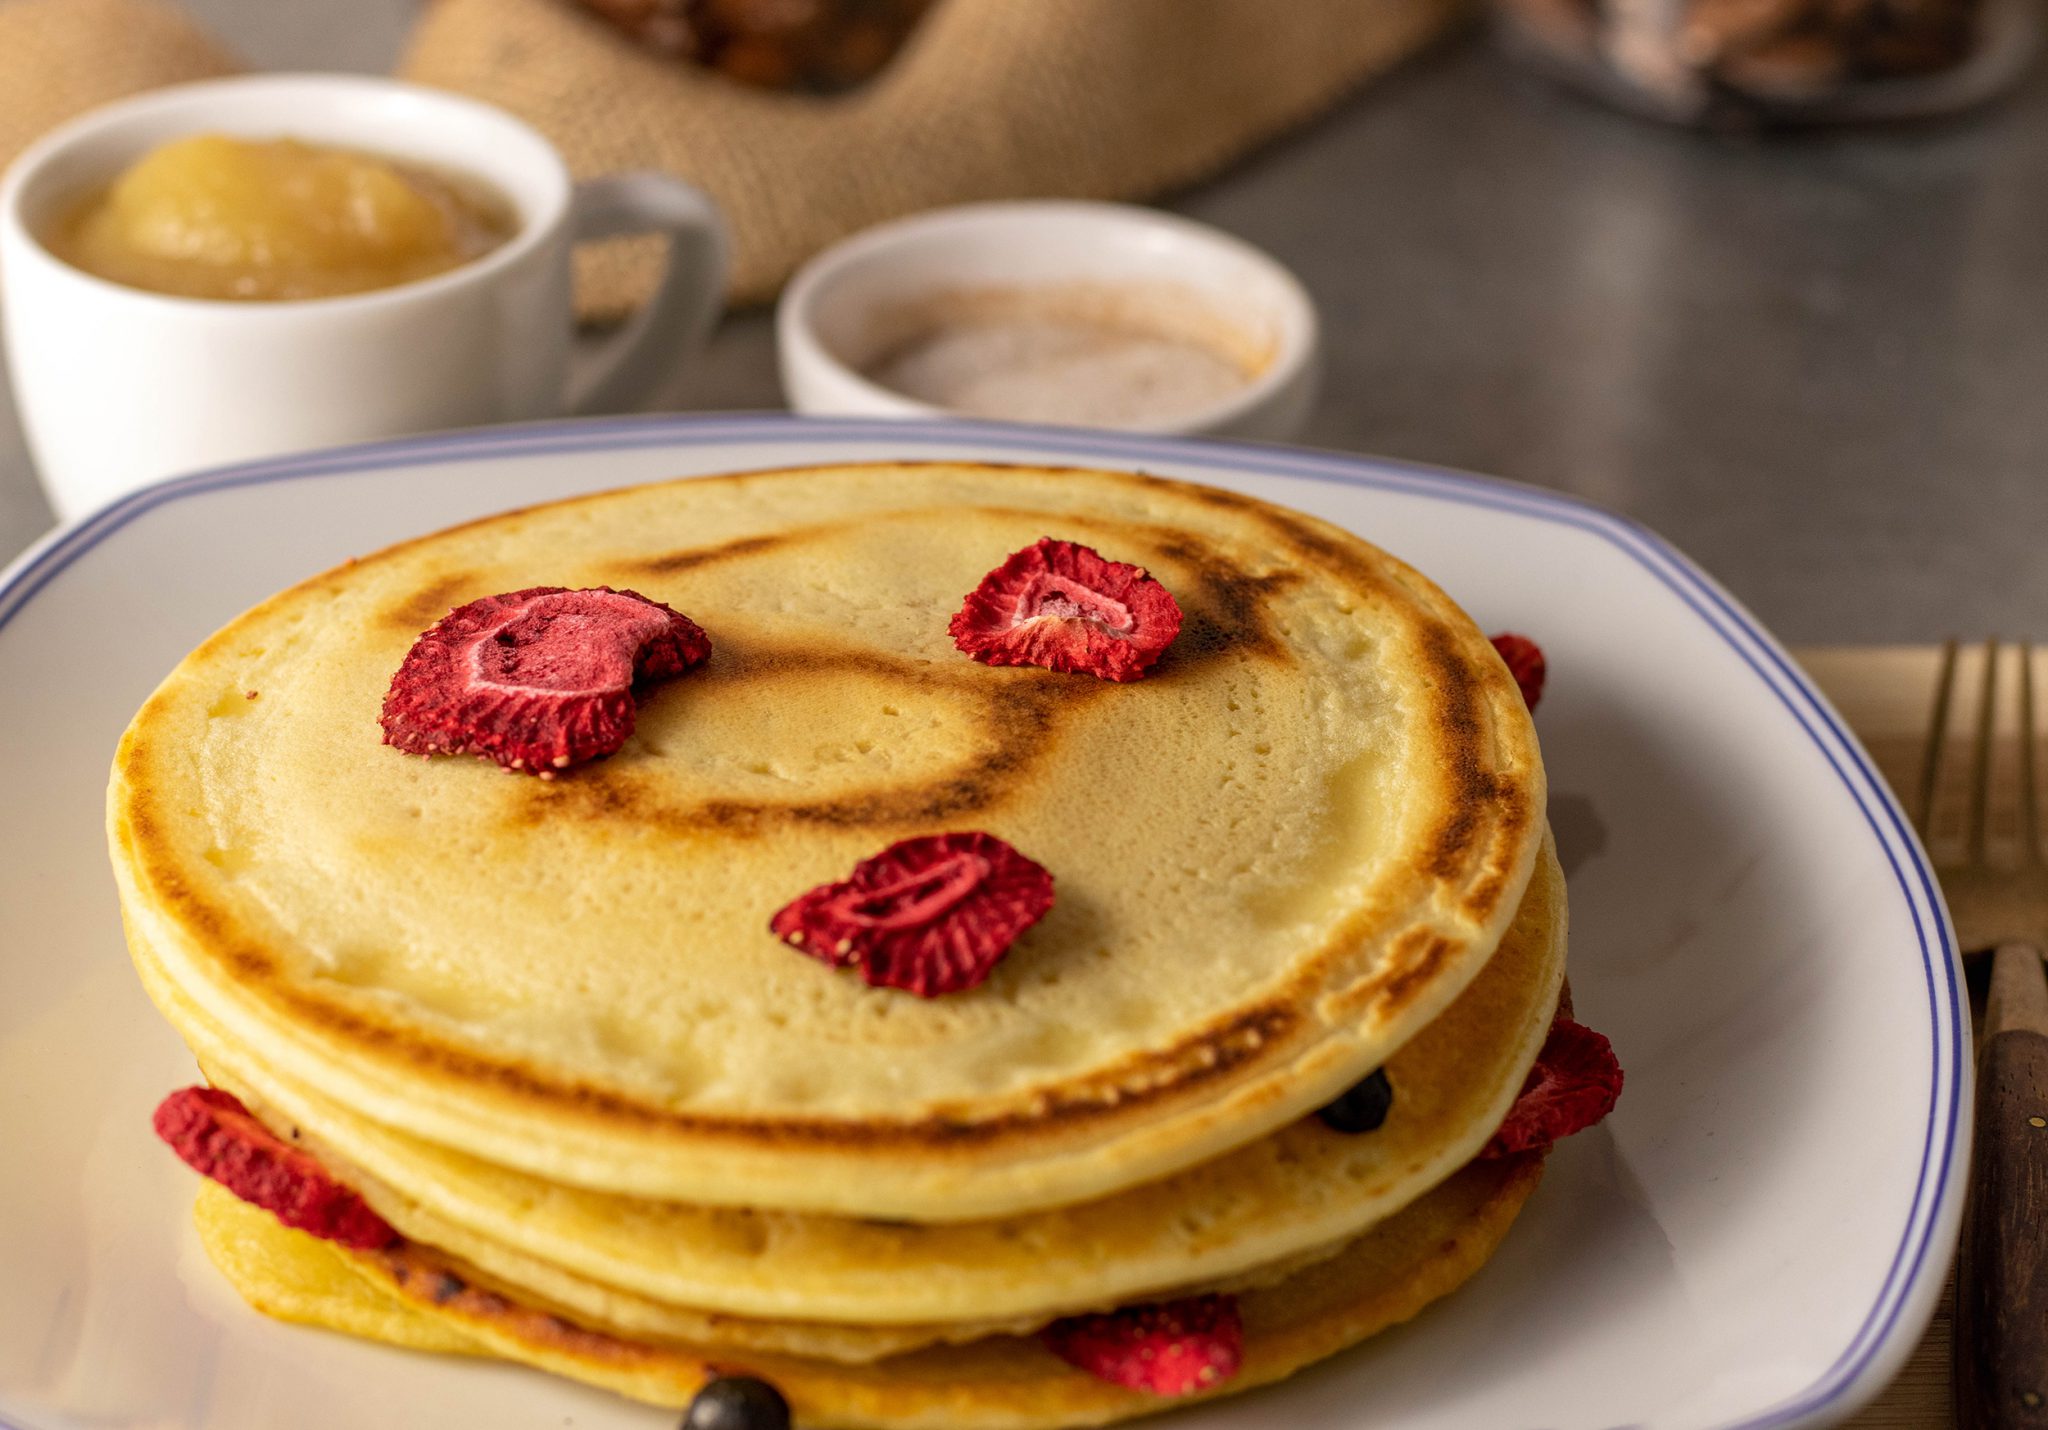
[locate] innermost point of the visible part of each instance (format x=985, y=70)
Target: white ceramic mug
x=834, y=319
x=118, y=387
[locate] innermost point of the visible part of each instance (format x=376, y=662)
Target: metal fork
x=2001, y=1340
x=1993, y=900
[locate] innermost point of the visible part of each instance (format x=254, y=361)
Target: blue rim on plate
x=1906, y=1282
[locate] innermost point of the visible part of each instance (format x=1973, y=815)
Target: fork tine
x=2030, y=820
x=1937, y=738
x=1980, y=756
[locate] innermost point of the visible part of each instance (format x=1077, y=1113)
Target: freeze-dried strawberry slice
x=215, y=1135
x=1575, y=1083
x=1168, y=1347
x=1525, y=662
x=930, y=915
x=539, y=679
x=1067, y=608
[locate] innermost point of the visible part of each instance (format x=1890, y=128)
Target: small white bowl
x=835, y=317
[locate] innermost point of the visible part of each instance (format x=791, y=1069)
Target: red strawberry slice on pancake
x=216, y=1136
x=1575, y=1083
x=1066, y=607
x=1165, y=1348
x=929, y=915
x=538, y=680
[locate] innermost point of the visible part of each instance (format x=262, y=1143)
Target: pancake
x=1328, y=792
x=669, y=1270
x=1004, y=1383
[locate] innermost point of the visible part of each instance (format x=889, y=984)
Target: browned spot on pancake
x=430, y=602
x=1481, y=802
x=1226, y=607
x=752, y=660
x=431, y=1277
x=1471, y=785
x=1418, y=957
x=418, y=1273
x=1016, y=711
x=693, y=557
x=1486, y=893
x=1338, y=554
x=1491, y=819
x=1219, y=497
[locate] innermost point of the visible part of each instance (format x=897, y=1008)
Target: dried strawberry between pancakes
x=216, y=1136
x=537, y=680
x=1525, y=662
x=1167, y=1348
x=1067, y=608
x=1575, y=1083
x=929, y=915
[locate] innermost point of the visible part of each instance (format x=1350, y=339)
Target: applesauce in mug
x=276, y=220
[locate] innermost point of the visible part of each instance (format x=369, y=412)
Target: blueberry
x=737, y=1402
x=1363, y=1108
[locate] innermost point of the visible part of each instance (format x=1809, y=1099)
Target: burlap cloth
x=989, y=99
x=61, y=57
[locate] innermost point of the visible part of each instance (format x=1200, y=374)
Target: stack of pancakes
x=627, y=1135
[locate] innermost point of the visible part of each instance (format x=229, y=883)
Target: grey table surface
x=1819, y=364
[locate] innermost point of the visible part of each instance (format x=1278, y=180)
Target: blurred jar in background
x=1734, y=62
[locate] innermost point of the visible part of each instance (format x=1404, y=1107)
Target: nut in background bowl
x=1750, y=63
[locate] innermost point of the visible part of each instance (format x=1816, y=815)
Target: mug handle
x=651, y=348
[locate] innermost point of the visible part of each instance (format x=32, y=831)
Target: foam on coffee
x=1080, y=353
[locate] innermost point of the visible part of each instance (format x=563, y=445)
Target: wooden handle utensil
x=2002, y=1277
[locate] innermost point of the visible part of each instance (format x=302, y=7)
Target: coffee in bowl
x=1103, y=315
x=1098, y=354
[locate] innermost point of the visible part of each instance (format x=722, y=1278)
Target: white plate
x=1755, y=1238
